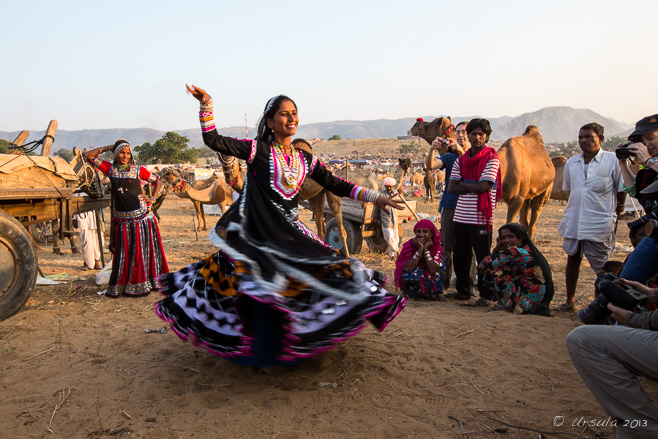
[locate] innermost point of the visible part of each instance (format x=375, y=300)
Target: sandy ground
x=79, y=365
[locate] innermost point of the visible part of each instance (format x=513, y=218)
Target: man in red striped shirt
x=476, y=179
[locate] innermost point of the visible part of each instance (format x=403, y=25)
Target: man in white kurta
x=389, y=219
x=588, y=226
x=91, y=251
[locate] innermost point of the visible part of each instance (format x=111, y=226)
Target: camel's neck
x=183, y=192
x=203, y=196
x=399, y=177
x=429, y=139
x=234, y=177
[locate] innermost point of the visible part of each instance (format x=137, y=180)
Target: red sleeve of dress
x=105, y=167
x=144, y=174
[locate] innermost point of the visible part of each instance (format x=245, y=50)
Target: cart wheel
x=18, y=265
x=353, y=232
x=41, y=232
x=377, y=243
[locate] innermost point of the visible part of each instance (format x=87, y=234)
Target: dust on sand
x=80, y=365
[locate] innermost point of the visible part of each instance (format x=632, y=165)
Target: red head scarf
x=409, y=249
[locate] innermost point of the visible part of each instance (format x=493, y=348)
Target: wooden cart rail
x=361, y=212
x=34, y=206
x=34, y=193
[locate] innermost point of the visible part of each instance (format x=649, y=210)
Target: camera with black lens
x=649, y=221
x=611, y=290
x=623, y=152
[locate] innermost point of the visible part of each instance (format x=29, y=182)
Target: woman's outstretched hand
x=198, y=93
x=383, y=202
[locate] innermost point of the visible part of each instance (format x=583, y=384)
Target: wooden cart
x=33, y=190
x=359, y=225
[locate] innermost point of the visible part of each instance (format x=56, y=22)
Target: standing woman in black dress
x=138, y=258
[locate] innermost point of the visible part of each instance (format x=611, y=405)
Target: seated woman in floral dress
x=418, y=269
x=517, y=273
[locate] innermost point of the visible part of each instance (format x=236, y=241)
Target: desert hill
x=556, y=124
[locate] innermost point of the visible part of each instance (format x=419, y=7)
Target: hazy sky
x=124, y=64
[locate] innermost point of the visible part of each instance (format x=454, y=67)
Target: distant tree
x=64, y=153
x=410, y=148
x=334, y=137
x=611, y=143
x=171, y=148
x=4, y=145
x=206, y=152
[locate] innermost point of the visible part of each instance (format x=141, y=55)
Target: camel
x=210, y=191
x=441, y=127
x=527, y=177
x=315, y=194
x=417, y=179
x=362, y=178
x=404, y=168
x=165, y=188
x=557, y=193
x=431, y=181
x=233, y=173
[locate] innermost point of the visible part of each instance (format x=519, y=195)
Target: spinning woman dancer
x=273, y=294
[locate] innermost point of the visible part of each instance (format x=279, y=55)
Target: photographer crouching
x=609, y=359
x=642, y=264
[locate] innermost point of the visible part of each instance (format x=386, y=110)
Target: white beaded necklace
x=290, y=171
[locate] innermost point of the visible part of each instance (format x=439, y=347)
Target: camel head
x=303, y=145
x=531, y=130
x=439, y=127
x=405, y=163
x=402, y=172
x=172, y=178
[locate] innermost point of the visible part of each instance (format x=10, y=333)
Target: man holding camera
x=593, y=179
x=642, y=263
x=454, y=149
x=609, y=359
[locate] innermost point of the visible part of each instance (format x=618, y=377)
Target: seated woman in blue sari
x=517, y=273
x=418, y=268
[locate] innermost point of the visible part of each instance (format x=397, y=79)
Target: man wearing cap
x=593, y=179
x=388, y=219
x=642, y=264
